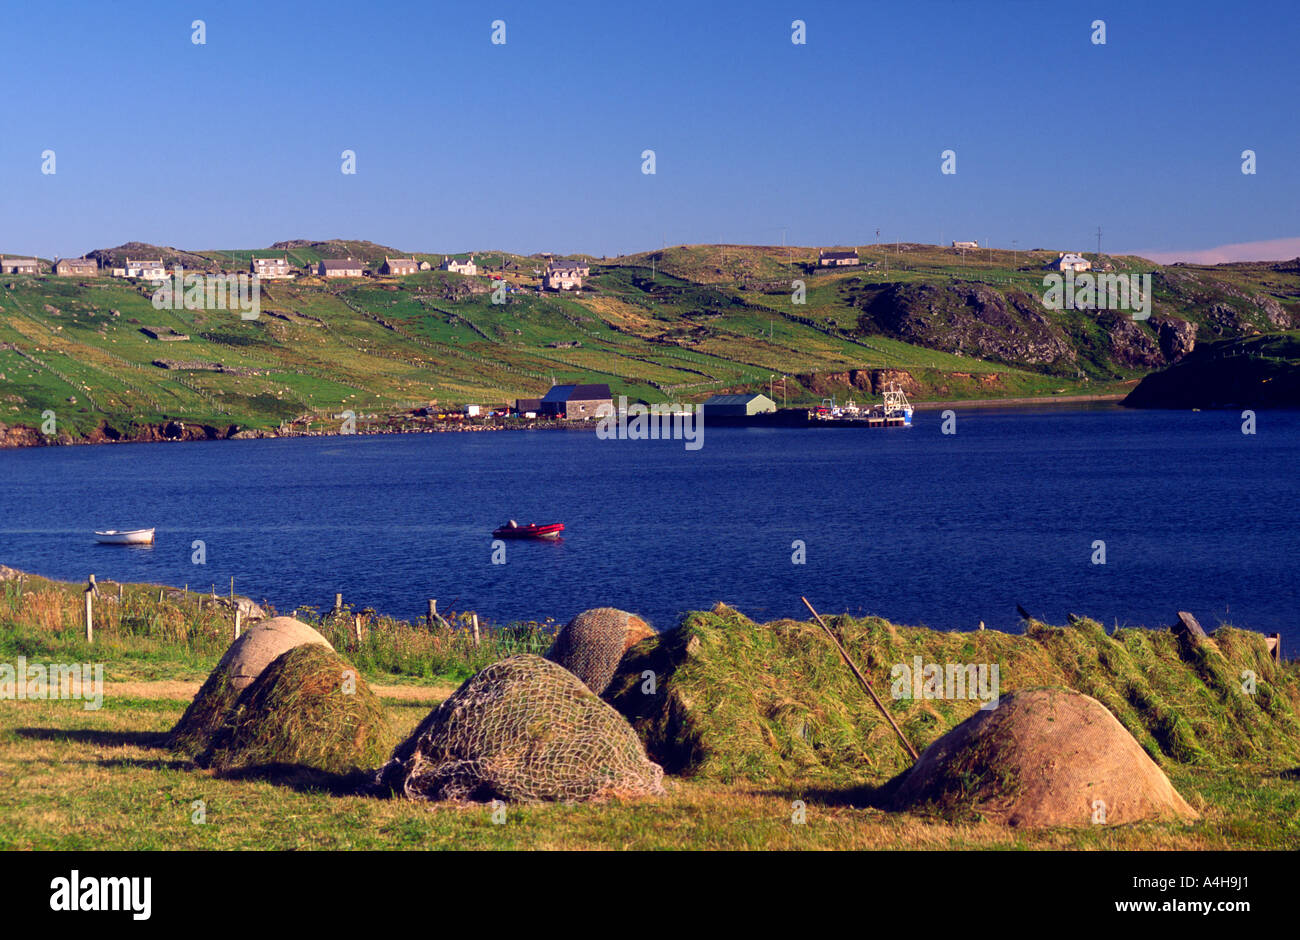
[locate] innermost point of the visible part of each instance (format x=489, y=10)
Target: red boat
x=513, y=530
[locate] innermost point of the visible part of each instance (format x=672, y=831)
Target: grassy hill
x=681, y=323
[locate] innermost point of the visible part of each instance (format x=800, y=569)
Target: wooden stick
x=865, y=684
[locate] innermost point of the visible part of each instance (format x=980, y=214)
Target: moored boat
x=125, y=537
x=513, y=530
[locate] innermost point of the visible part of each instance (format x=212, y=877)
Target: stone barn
x=576, y=402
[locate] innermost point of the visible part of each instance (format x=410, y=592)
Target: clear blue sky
x=535, y=145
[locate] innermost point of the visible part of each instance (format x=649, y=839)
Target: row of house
x=559, y=276
x=64, y=267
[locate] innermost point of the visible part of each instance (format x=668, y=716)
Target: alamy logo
x=38, y=682
x=181, y=291
x=1099, y=292
x=952, y=681
x=75, y=893
x=658, y=422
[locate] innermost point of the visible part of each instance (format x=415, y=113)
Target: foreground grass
x=77, y=779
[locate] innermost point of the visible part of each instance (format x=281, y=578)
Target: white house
x=837, y=259
x=1070, y=261
x=566, y=275
x=458, y=267
x=270, y=268
x=149, y=269
x=965, y=244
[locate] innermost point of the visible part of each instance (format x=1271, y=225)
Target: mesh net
x=526, y=730
x=592, y=644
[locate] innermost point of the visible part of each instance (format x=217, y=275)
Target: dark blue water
x=909, y=524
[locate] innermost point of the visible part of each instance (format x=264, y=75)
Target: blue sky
x=536, y=145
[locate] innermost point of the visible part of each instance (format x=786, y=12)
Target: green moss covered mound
x=734, y=699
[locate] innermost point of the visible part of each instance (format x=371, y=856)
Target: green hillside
x=681, y=323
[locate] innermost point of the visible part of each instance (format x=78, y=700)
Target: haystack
x=592, y=644
x=1043, y=757
x=308, y=708
x=242, y=663
x=523, y=729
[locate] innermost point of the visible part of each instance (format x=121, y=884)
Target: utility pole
x=1014, y=256
x=1099, y=243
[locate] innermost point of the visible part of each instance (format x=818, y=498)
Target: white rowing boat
x=125, y=537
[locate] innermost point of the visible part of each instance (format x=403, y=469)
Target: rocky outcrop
x=22, y=436
x=1130, y=343
x=1176, y=337
x=869, y=381
x=968, y=319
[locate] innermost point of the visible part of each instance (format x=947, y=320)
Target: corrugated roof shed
x=731, y=399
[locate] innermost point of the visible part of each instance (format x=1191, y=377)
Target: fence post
x=238, y=616
x=432, y=614
x=356, y=626
x=232, y=587
x=90, y=610
x=474, y=618
x=338, y=602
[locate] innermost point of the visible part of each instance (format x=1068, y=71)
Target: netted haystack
x=592, y=644
x=1042, y=757
x=308, y=708
x=524, y=729
x=243, y=662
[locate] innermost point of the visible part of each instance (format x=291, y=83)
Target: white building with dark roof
x=836, y=259
x=1070, y=261
x=458, y=267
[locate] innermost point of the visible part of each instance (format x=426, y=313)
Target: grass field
x=677, y=324
x=72, y=778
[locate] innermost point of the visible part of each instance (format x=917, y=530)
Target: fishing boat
x=513, y=530
x=125, y=537
x=895, y=407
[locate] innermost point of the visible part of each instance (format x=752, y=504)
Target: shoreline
x=1019, y=402
x=15, y=437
